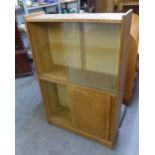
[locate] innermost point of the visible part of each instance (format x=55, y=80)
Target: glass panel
x=102, y=47
x=65, y=44
x=85, y=54
x=82, y=77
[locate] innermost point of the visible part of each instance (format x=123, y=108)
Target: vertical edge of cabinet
x=131, y=71
x=83, y=50
x=123, y=55
x=35, y=62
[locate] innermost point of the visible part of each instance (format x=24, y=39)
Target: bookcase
x=80, y=61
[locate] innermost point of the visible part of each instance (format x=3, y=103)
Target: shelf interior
x=57, y=103
x=62, y=116
x=93, y=47
x=80, y=53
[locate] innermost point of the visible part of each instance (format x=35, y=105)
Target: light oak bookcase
x=80, y=61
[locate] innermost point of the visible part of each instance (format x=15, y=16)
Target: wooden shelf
x=81, y=69
x=65, y=75
x=56, y=74
x=91, y=18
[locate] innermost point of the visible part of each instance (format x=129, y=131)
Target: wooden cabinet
x=22, y=63
x=80, y=61
x=100, y=6
x=124, y=5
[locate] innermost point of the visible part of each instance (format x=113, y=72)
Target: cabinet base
x=79, y=132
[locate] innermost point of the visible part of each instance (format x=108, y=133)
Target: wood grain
x=82, y=77
x=82, y=88
x=90, y=111
x=132, y=60
x=93, y=18
x=102, y=47
x=123, y=56
x=104, y=6
x=65, y=44
x=40, y=46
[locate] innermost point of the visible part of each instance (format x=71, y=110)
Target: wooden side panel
x=123, y=57
x=65, y=44
x=33, y=31
x=135, y=27
x=132, y=60
x=90, y=111
x=102, y=47
x=131, y=71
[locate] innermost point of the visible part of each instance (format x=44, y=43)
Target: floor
x=34, y=136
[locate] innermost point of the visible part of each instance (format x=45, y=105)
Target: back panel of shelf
x=101, y=43
x=65, y=44
x=89, y=46
x=56, y=102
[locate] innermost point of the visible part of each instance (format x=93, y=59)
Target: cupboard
x=80, y=61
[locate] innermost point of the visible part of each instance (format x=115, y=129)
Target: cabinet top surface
x=85, y=17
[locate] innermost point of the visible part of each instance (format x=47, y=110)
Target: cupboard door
x=90, y=111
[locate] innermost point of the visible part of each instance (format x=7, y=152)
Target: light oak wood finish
x=63, y=95
x=65, y=44
x=100, y=6
x=87, y=17
x=102, y=47
x=91, y=112
x=123, y=56
x=88, y=78
x=132, y=67
x=80, y=93
x=104, y=6
x=123, y=5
